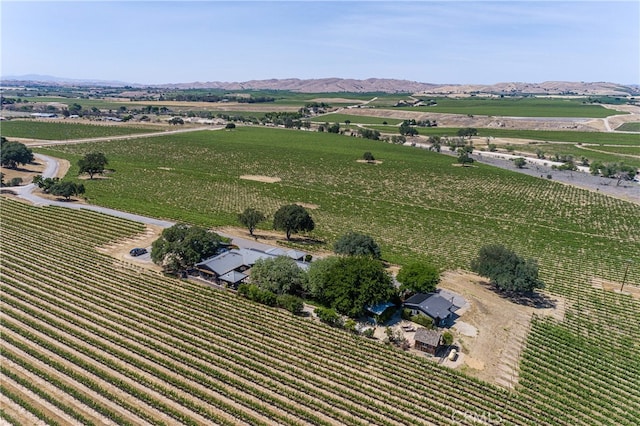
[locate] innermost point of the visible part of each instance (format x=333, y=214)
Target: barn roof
x=428, y=337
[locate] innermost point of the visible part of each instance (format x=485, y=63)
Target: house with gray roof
x=231, y=266
x=439, y=309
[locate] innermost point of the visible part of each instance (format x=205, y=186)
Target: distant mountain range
x=324, y=85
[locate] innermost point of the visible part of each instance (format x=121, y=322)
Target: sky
x=477, y=42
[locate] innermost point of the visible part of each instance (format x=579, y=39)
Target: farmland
x=363, y=119
x=520, y=107
x=86, y=339
x=416, y=203
x=67, y=131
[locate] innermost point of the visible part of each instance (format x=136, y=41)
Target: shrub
x=291, y=303
x=328, y=315
x=423, y=320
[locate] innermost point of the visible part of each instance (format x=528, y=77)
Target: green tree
x=230, y=126
x=14, y=153
x=292, y=219
x=66, y=189
x=368, y=156
x=250, y=218
x=406, y=129
x=519, y=162
x=92, y=163
x=317, y=275
x=447, y=338
x=467, y=132
x=418, y=277
x=350, y=284
x=182, y=246
x=176, y=120
x=463, y=156
x=506, y=269
x=291, y=303
x=328, y=315
x=356, y=244
x=280, y=275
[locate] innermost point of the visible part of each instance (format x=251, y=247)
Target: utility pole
x=626, y=270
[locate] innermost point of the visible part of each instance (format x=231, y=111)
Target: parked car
x=137, y=251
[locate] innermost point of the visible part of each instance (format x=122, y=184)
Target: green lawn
x=515, y=107
x=66, y=131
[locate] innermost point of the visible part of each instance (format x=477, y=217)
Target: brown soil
x=120, y=249
x=614, y=286
x=26, y=172
x=310, y=206
x=259, y=178
x=502, y=327
x=369, y=162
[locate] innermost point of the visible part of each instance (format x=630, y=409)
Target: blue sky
x=428, y=41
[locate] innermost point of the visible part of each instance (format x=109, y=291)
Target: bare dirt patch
x=310, y=206
x=259, y=178
x=502, y=327
x=616, y=287
x=120, y=249
x=370, y=161
x=25, y=172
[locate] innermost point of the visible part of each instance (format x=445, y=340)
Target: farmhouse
x=230, y=267
x=427, y=340
x=435, y=306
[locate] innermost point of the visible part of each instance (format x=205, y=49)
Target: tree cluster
x=350, y=284
x=617, y=171
x=406, y=128
x=280, y=275
x=14, y=153
x=55, y=186
x=507, y=270
x=418, y=277
x=182, y=246
x=369, y=134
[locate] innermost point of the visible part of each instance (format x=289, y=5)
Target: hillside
x=386, y=85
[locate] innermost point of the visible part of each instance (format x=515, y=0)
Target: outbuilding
x=427, y=340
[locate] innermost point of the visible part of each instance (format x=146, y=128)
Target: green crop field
x=86, y=339
x=105, y=103
x=361, y=119
x=66, y=131
x=592, y=153
x=516, y=107
x=599, y=138
x=629, y=127
x=416, y=203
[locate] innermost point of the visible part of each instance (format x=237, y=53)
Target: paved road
x=51, y=169
x=43, y=142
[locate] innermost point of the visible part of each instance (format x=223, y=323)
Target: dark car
x=137, y=251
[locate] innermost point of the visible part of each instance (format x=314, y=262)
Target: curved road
x=51, y=169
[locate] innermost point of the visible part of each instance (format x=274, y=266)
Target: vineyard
x=67, y=131
x=125, y=346
x=90, y=340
